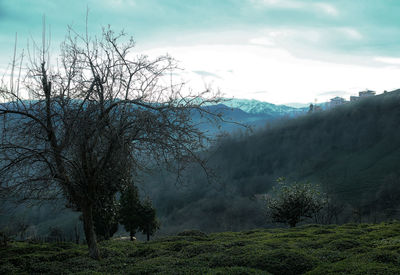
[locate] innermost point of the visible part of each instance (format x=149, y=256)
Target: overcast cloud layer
x=273, y=50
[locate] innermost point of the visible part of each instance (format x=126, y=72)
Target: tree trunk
x=76, y=234
x=107, y=232
x=132, y=234
x=90, y=235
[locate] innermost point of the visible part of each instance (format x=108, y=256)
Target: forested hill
x=352, y=151
x=349, y=148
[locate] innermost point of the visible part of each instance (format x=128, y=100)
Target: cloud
x=259, y=92
x=117, y=3
x=262, y=41
x=334, y=93
x=351, y=33
x=207, y=74
x=313, y=42
x=286, y=4
x=327, y=9
x=388, y=60
x=286, y=77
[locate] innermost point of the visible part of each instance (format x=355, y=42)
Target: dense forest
x=351, y=151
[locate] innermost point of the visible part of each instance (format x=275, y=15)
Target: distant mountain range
x=256, y=107
x=250, y=112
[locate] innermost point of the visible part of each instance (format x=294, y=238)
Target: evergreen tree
x=149, y=223
x=130, y=210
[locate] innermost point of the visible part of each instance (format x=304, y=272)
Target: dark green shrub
x=197, y=249
x=109, y=253
x=226, y=259
x=235, y=270
x=196, y=233
x=275, y=244
x=354, y=267
x=385, y=257
x=344, y=244
x=236, y=244
x=283, y=261
x=8, y=268
x=178, y=246
x=143, y=251
x=47, y=268
x=309, y=244
x=329, y=256
x=323, y=231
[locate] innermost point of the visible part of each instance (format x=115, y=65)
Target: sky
x=279, y=51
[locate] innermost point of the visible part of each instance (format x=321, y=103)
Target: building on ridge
x=363, y=94
x=366, y=93
x=336, y=101
x=354, y=98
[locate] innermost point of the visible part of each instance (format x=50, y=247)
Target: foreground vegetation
x=309, y=249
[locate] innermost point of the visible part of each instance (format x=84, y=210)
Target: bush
x=235, y=270
x=284, y=261
x=292, y=203
x=197, y=233
x=344, y=244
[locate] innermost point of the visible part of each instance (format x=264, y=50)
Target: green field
x=310, y=249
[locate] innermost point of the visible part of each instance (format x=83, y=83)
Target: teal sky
x=275, y=50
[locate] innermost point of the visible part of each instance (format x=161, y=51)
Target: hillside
x=313, y=249
x=346, y=149
x=352, y=152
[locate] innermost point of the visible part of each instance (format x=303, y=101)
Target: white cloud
x=351, y=33
x=287, y=4
x=388, y=60
x=247, y=68
x=327, y=9
x=115, y=4
x=206, y=74
x=293, y=36
x=263, y=41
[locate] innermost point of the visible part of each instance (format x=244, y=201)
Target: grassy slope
x=312, y=249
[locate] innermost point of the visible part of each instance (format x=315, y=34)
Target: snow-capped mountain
x=252, y=113
x=255, y=107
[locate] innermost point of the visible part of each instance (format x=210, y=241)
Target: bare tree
x=98, y=116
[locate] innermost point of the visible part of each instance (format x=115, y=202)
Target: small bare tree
x=78, y=130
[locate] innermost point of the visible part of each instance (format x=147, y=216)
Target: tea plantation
x=310, y=249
